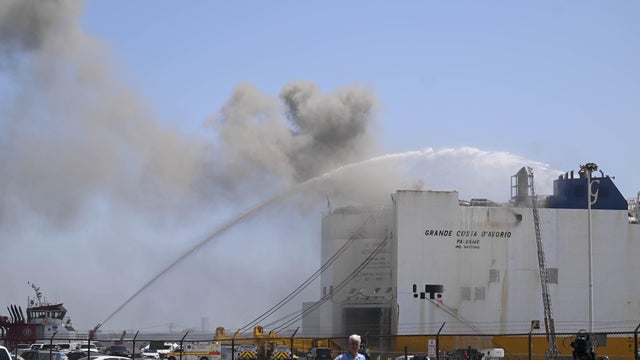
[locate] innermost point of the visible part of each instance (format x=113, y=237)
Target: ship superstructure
x=475, y=264
x=43, y=320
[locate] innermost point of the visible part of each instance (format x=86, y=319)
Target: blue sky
x=133, y=129
x=552, y=81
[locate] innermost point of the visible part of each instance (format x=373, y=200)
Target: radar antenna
x=38, y=293
x=552, y=350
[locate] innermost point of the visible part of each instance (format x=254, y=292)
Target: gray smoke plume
x=26, y=25
x=91, y=175
x=307, y=134
x=72, y=132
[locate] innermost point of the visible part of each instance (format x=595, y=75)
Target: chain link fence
x=527, y=346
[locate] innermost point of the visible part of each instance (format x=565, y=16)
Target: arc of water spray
x=248, y=213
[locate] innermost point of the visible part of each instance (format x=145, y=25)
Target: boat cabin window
x=37, y=314
x=56, y=314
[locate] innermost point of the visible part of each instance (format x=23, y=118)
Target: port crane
x=552, y=349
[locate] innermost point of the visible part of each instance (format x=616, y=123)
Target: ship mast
x=38, y=293
x=552, y=350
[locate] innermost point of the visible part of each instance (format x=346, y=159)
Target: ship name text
x=467, y=233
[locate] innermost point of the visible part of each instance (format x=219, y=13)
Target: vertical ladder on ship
x=552, y=350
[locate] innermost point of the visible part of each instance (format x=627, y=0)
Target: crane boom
x=552, y=350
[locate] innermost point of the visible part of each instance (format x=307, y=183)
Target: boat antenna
x=38, y=292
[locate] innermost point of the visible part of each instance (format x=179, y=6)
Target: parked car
x=319, y=353
x=4, y=353
x=104, y=357
x=44, y=355
x=76, y=354
x=148, y=353
x=20, y=348
x=47, y=347
x=402, y=357
x=92, y=348
x=117, y=350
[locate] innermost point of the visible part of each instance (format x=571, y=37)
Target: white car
x=402, y=357
x=149, y=354
x=410, y=357
x=88, y=347
x=105, y=357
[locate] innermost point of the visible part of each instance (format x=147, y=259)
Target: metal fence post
x=51, y=344
x=535, y=324
x=182, y=341
x=438, y=341
x=291, y=347
x=133, y=356
x=233, y=348
x=636, y=355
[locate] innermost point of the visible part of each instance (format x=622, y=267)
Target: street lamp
x=588, y=169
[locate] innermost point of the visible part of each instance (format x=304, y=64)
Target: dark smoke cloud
x=26, y=25
x=323, y=131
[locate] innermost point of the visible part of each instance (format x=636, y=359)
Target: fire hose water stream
x=318, y=180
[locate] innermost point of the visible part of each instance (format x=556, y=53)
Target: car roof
x=104, y=357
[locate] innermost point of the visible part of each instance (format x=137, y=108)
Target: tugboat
x=44, y=320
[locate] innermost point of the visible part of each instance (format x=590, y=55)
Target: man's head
x=354, y=343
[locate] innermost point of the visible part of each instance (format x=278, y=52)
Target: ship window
x=494, y=275
x=480, y=293
x=38, y=314
x=465, y=293
x=552, y=275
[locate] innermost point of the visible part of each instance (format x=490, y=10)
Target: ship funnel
x=16, y=314
x=21, y=314
x=520, y=187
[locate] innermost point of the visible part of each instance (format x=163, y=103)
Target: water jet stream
x=280, y=196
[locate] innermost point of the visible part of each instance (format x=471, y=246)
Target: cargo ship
x=438, y=264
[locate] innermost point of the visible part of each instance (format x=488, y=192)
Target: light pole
x=589, y=168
